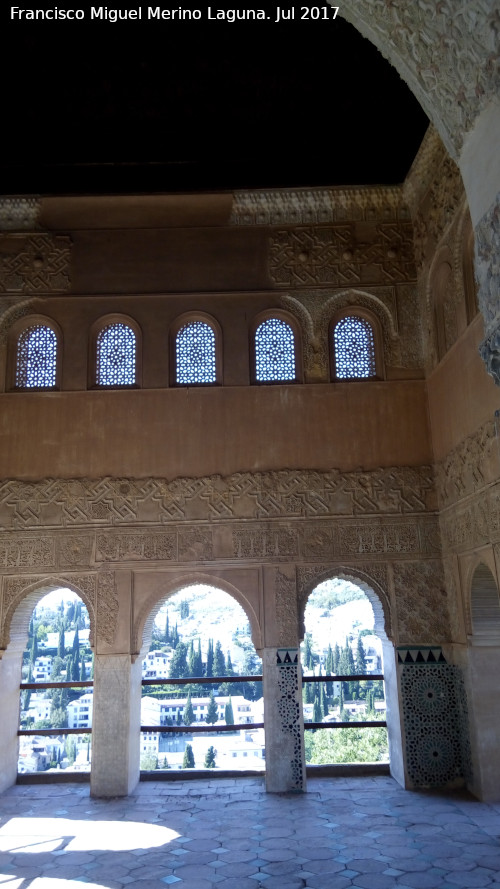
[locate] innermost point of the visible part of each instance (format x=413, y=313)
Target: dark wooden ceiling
x=169, y=107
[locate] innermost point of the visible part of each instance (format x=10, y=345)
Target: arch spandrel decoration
x=20, y=596
x=168, y=587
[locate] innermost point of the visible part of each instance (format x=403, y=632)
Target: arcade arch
x=200, y=633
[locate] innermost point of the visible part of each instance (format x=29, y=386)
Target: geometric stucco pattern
x=356, y=523
x=273, y=542
x=34, y=263
x=347, y=255
x=86, y=503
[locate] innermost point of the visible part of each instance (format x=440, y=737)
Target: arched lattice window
x=36, y=358
x=116, y=356
x=274, y=352
x=195, y=354
x=354, y=348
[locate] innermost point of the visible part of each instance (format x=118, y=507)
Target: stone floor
x=229, y=834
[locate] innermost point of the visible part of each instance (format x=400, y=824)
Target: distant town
x=202, y=633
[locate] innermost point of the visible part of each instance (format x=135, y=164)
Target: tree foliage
x=188, y=760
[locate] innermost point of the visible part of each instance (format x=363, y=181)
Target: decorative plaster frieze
x=447, y=52
x=19, y=214
x=317, y=206
x=342, y=256
x=104, y=503
x=472, y=464
x=34, y=263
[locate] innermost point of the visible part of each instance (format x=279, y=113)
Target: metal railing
x=49, y=732
x=356, y=677
x=196, y=727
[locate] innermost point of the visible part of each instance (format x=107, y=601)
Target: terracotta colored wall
x=196, y=432
x=462, y=397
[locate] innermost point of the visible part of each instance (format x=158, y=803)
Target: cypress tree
x=188, y=715
x=219, y=665
x=228, y=713
x=360, y=656
x=60, y=644
x=212, y=712
x=199, y=660
x=188, y=761
x=209, y=669
x=317, y=715
x=210, y=758
x=336, y=658
x=191, y=659
x=178, y=664
x=229, y=665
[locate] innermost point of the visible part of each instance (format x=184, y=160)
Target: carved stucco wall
x=447, y=52
x=379, y=528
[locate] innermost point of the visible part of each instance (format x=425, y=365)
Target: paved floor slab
x=230, y=834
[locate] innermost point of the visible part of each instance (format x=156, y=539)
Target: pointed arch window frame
x=286, y=318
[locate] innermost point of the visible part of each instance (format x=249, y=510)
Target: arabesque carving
x=286, y=608
x=35, y=263
x=488, y=276
x=421, y=602
x=317, y=206
x=342, y=256
x=85, y=503
x=438, y=209
x=19, y=214
x=448, y=53
x=471, y=465
x=107, y=606
x=315, y=311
